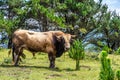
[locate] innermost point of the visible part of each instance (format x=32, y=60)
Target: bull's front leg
x=17, y=56
x=52, y=60
x=16, y=59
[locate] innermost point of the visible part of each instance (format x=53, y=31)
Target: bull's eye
x=62, y=40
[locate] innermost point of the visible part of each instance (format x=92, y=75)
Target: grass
x=37, y=69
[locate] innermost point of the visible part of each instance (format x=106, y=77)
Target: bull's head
x=65, y=41
x=68, y=39
x=62, y=43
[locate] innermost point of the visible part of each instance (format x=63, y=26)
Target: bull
x=55, y=43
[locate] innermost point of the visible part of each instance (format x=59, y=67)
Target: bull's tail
x=9, y=52
x=12, y=50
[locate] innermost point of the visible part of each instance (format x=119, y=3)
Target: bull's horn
x=73, y=36
x=59, y=37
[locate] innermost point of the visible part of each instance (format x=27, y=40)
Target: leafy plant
x=106, y=72
x=118, y=74
x=107, y=49
x=76, y=52
x=118, y=51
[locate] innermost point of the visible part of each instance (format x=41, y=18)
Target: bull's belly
x=33, y=49
x=39, y=49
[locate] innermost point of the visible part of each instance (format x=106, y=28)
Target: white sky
x=112, y=5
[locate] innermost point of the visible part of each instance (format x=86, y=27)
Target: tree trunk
x=77, y=64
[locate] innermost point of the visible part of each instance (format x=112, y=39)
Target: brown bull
x=52, y=42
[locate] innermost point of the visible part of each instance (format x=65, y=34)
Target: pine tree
x=106, y=72
x=77, y=53
x=118, y=74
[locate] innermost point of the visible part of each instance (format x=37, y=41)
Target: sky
x=112, y=5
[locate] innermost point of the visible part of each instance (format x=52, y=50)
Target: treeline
x=91, y=21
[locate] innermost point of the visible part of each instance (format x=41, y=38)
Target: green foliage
x=89, y=16
x=118, y=51
x=118, y=74
x=106, y=72
x=7, y=60
x=107, y=49
x=48, y=13
x=76, y=52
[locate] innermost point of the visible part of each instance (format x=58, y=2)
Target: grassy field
x=37, y=69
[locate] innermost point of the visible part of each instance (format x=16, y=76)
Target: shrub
x=118, y=51
x=118, y=74
x=76, y=52
x=106, y=72
x=107, y=49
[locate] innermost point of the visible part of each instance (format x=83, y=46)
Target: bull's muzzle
x=67, y=48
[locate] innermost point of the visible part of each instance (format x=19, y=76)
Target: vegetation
x=89, y=20
x=77, y=52
x=106, y=71
x=118, y=74
x=32, y=69
x=118, y=51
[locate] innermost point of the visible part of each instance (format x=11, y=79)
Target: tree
x=79, y=16
x=89, y=20
x=11, y=20
x=118, y=74
x=20, y=10
x=108, y=30
x=106, y=72
x=77, y=53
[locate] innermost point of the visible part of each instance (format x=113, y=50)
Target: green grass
x=37, y=69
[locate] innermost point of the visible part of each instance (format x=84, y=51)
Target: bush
x=107, y=49
x=76, y=52
x=118, y=51
x=106, y=72
x=118, y=74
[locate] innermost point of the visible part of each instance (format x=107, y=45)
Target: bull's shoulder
x=57, y=33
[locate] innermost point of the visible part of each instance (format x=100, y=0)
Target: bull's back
x=33, y=41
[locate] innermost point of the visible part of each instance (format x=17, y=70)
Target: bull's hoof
x=16, y=65
x=33, y=57
x=52, y=66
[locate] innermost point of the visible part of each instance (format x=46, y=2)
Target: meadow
x=37, y=68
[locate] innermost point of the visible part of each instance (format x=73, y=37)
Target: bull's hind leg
x=52, y=60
